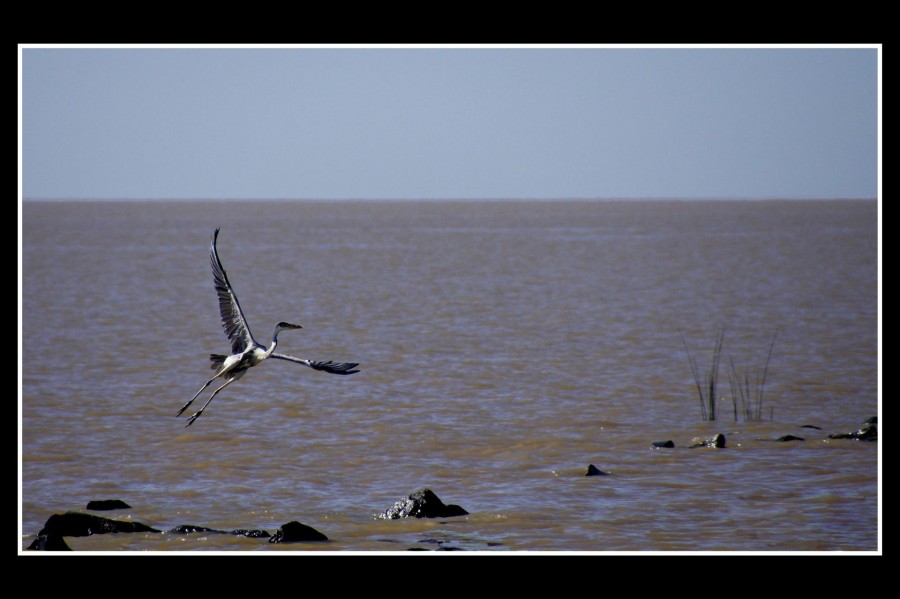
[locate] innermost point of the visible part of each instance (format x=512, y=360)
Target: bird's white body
x=247, y=359
x=246, y=351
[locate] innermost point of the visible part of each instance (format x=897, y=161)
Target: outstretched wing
x=232, y=317
x=329, y=366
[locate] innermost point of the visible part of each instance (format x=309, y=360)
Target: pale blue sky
x=466, y=123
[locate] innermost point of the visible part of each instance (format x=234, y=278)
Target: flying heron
x=246, y=352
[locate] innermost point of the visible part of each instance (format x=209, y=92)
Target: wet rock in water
x=189, y=528
x=76, y=524
x=51, y=542
x=872, y=420
x=867, y=433
x=818, y=428
x=786, y=438
x=421, y=504
x=243, y=532
x=441, y=545
x=107, y=504
x=253, y=534
x=594, y=471
x=717, y=441
x=660, y=444
x=294, y=532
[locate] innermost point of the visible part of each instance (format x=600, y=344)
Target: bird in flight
x=246, y=351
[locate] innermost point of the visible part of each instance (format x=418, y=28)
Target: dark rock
x=189, y=528
x=872, y=420
x=253, y=534
x=818, y=428
x=717, y=441
x=243, y=532
x=51, y=542
x=659, y=444
x=867, y=433
x=786, y=438
x=594, y=471
x=294, y=532
x=442, y=545
x=107, y=504
x=76, y=524
x=422, y=504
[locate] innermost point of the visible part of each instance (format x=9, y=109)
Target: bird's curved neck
x=271, y=348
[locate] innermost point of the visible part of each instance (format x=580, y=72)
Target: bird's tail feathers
x=217, y=360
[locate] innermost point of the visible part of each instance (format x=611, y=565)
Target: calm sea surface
x=504, y=347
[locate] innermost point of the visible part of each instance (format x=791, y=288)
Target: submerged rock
x=867, y=433
x=818, y=428
x=786, y=438
x=107, y=504
x=717, y=441
x=421, y=504
x=76, y=524
x=253, y=534
x=294, y=532
x=189, y=528
x=594, y=471
x=51, y=542
x=662, y=444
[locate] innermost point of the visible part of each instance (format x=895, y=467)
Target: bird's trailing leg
x=200, y=411
x=197, y=394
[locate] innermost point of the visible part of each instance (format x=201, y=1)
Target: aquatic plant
x=747, y=388
x=751, y=396
x=709, y=384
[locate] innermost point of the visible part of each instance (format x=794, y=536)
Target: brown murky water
x=504, y=346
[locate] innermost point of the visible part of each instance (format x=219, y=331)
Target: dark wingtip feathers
x=335, y=367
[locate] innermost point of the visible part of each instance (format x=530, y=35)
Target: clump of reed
x=747, y=388
x=710, y=383
x=750, y=395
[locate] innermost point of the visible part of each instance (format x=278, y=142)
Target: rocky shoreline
x=423, y=503
x=419, y=504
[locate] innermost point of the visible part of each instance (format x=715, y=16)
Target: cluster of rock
x=77, y=524
x=716, y=441
x=867, y=433
x=421, y=504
